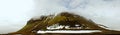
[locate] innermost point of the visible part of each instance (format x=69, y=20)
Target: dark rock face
x=63, y=18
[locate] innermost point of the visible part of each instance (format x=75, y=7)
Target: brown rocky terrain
x=64, y=18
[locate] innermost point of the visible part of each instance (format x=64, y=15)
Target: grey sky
x=15, y=13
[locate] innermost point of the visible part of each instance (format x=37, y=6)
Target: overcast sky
x=14, y=14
